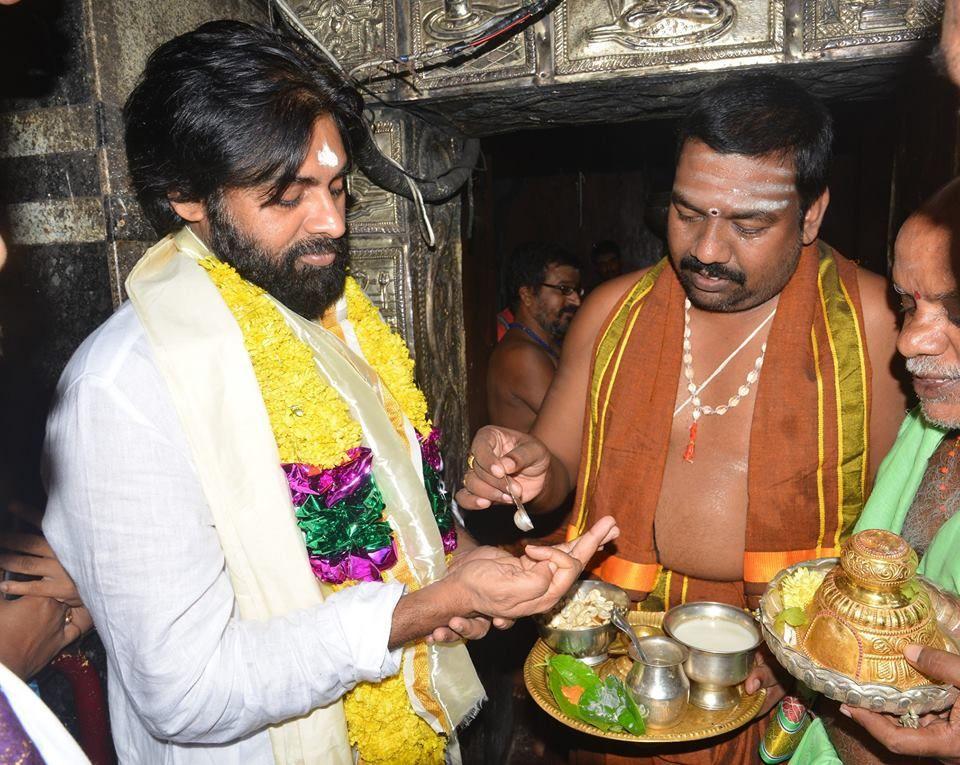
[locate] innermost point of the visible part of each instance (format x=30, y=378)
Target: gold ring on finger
x=470, y=461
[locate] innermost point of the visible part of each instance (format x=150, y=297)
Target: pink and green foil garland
x=340, y=512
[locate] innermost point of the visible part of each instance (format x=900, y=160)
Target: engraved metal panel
x=381, y=274
x=436, y=279
x=838, y=24
x=611, y=35
x=374, y=210
x=432, y=27
x=354, y=31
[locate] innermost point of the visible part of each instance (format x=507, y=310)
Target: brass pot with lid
x=868, y=608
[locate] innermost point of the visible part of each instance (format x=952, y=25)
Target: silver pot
x=714, y=675
x=659, y=683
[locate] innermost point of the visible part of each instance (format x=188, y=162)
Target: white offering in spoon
x=719, y=635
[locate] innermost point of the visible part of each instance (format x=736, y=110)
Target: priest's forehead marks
x=717, y=186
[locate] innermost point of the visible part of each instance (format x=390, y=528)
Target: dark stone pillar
x=66, y=67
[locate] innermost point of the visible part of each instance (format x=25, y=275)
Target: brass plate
x=694, y=725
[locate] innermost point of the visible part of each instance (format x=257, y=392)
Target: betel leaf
x=601, y=705
x=569, y=678
x=570, y=671
x=604, y=704
x=636, y=721
x=557, y=688
x=608, y=706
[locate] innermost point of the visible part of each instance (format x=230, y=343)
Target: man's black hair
x=228, y=105
x=527, y=267
x=763, y=115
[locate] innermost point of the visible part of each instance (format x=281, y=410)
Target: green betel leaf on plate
x=572, y=671
x=569, y=679
x=608, y=707
x=633, y=719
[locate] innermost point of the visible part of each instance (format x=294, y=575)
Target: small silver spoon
x=521, y=518
x=619, y=618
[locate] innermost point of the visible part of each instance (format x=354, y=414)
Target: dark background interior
x=579, y=185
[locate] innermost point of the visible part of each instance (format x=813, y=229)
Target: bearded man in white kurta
x=243, y=478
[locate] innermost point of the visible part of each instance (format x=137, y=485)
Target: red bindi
x=916, y=295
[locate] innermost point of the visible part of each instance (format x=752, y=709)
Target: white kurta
x=190, y=682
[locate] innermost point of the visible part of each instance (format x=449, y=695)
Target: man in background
x=543, y=287
x=607, y=260
x=33, y=629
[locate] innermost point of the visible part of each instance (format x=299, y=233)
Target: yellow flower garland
x=312, y=425
x=388, y=354
x=386, y=730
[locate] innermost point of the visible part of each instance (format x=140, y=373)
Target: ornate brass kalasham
x=868, y=608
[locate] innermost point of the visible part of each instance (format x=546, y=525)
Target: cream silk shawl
x=200, y=352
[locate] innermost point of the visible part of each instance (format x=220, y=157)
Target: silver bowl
x=714, y=675
x=833, y=685
x=589, y=644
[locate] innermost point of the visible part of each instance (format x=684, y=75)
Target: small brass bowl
x=589, y=644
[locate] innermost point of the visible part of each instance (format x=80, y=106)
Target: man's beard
x=924, y=366
x=743, y=297
x=558, y=325
x=306, y=290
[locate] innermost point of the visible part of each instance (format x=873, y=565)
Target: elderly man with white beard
x=917, y=493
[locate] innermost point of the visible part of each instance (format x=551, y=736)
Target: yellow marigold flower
x=799, y=587
x=386, y=730
x=386, y=352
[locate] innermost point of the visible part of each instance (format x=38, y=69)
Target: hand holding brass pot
x=868, y=608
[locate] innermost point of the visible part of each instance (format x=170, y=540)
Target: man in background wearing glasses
x=543, y=289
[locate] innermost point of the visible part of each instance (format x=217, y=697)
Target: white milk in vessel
x=715, y=635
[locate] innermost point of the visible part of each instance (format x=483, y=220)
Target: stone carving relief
x=374, y=210
x=612, y=35
x=434, y=23
x=833, y=24
x=639, y=25
x=380, y=273
x=354, y=31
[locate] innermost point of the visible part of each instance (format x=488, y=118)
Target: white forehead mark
x=723, y=182
x=769, y=205
x=327, y=157
x=744, y=201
